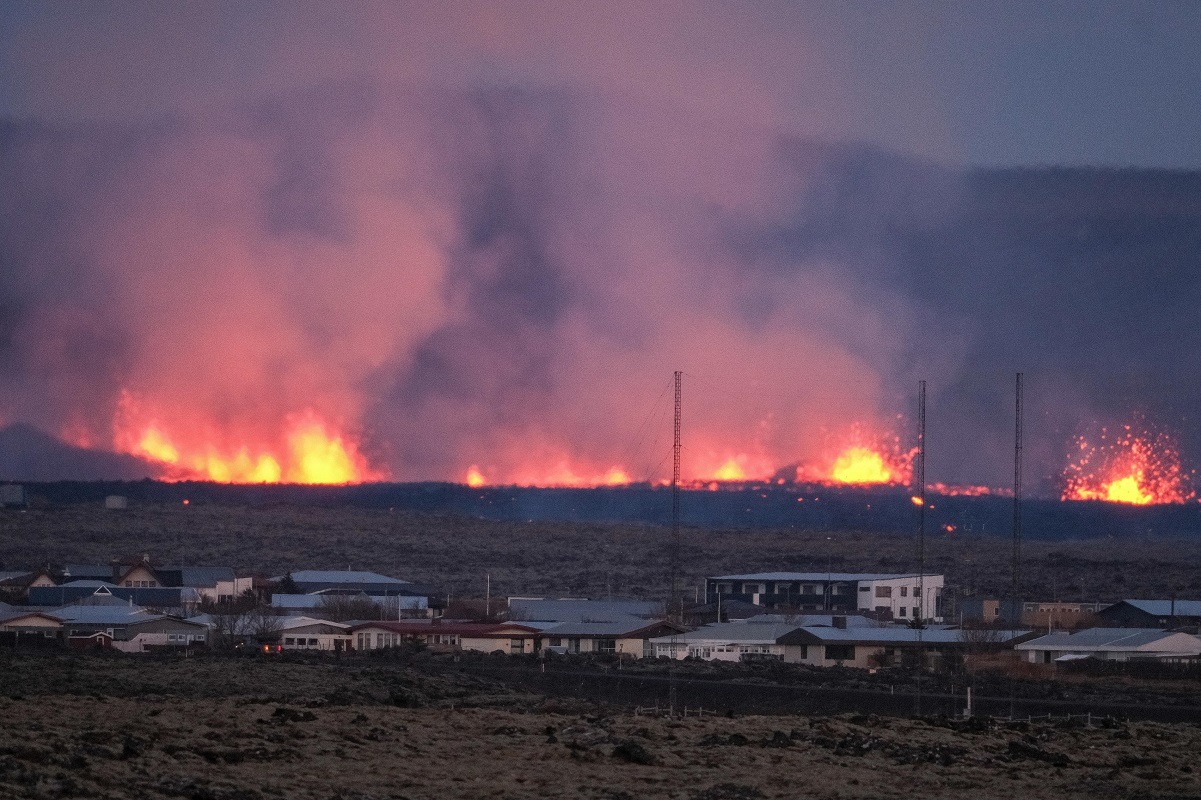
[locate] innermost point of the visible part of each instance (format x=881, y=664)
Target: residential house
x=895, y=595
x=162, y=598
x=866, y=647
x=407, y=599
x=1151, y=614
x=394, y=607
x=629, y=637
x=1111, y=644
x=727, y=641
x=26, y=628
x=506, y=637
x=309, y=633
x=157, y=632
x=851, y=642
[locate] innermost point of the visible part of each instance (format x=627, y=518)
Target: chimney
x=839, y=622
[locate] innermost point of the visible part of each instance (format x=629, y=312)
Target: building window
x=902, y=611
x=840, y=652
x=517, y=645
x=904, y=591
x=883, y=591
x=606, y=645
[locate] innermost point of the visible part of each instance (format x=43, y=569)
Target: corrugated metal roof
x=1164, y=608
x=631, y=625
x=819, y=576
x=1114, y=639
x=734, y=632
x=904, y=635
x=461, y=628
x=340, y=577
x=291, y=623
x=98, y=615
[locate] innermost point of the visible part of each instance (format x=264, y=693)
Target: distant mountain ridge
x=29, y=454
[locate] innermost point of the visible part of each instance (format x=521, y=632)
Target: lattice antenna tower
x=1015, y=589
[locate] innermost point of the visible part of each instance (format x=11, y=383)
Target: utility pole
x=677, y=611
x=919, y=620
x=487, y=595
x=1015, y=589
x=921, y=505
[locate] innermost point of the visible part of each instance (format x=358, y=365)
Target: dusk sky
x=317, y=241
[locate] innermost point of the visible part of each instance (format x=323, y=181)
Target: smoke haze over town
x=412, y=241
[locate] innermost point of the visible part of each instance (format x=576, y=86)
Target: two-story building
x=903, y=597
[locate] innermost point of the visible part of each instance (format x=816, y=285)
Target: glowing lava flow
x=312, y=453
x=861, y=465
x=861, y=459
x=1135, y=467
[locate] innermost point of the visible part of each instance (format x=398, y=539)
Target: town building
x=1151, y=614
x=898, y=596
x=1111, y=644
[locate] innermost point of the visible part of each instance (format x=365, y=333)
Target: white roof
x=290, y=623
x=822, y=576
x=1127, y=640
x=731, y=632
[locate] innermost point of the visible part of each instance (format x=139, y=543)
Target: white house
x=1111, y=644
x=309, y=633
x=726, y=641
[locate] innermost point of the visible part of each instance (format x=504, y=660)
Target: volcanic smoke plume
x=390, y=243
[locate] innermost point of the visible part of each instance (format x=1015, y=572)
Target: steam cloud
x=488, y=238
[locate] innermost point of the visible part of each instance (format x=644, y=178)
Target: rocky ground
x=208, y=728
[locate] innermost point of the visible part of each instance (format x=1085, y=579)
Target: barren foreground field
x=211, y=729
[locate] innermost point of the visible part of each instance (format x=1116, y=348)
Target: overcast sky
x=1091, y=82
x=485, y=234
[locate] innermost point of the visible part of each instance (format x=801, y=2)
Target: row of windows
x=784, y=588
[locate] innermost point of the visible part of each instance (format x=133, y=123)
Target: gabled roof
x=291, y=623
x=1142, y=640
x=8, y=617
x=416, y=628
x=340, y=577
x=894, y=635
x=731, y=632
x=103, y=615
x=632, y=627
x=1164, y=608
x=16, y=577
x=821, y=576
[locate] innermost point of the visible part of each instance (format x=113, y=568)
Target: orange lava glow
x=860, y=465
x=310, y=451
x=1137, y=467
x=731, y=470
x=861, y=458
